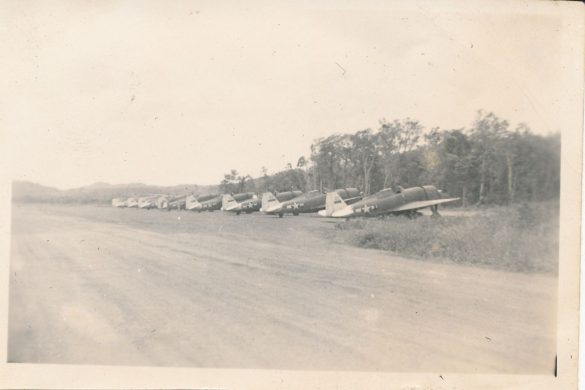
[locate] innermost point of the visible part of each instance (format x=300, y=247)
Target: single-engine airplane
x=148, y=202
x=132, y=202
x=194, y=201
x=247, y=202
x=169, y=202
x=402, y=202
x=209, y=202
x=271, y=201
x=311, y=202
x=229, y=201
x=162, y=202
x=118, y=202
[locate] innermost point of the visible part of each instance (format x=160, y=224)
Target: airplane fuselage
x=246, y=202
x=387, y=201
x=271, y=203
x=247, y=206
x=148, y=202
x=117, y=202
x=314, y=201
x=209, y=205
x=132, y=202
x=168, y=202
x=306, y=203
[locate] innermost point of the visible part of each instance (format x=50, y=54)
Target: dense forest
x=487, y=163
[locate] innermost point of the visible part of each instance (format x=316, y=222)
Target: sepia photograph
x=275, y=194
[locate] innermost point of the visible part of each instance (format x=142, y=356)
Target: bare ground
x=98, y=285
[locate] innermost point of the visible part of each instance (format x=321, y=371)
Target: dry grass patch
x=521, y=238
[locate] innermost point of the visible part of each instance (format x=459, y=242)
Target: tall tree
x=365, y=152
x=486, y=134
x=458, y=168
x=396, y=139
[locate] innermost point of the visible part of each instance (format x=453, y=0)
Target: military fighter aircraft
x=148, y=202
x=178, y=203
x=231, y=202
x=210, y=204
x=193, y=202
x=228, y=201
x=311, y=202
x=270, y=201
x=403, y=201
x=132, y=202
x=247, y=205
x=169, y=202
x=118, y=202
x=162, y=202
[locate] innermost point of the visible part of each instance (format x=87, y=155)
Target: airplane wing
x=422, y=204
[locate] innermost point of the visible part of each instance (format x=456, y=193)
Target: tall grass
x=522, y=238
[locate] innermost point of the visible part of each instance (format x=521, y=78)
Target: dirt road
x=99, y=285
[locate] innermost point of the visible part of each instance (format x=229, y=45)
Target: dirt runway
x=99, y=285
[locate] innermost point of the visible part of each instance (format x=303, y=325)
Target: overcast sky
x=182, y=92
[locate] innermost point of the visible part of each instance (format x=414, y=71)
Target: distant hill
x=25, y=191
x=29, y=190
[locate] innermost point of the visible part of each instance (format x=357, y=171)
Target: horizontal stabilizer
x=422, y=204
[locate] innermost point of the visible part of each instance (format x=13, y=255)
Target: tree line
x=487, y=163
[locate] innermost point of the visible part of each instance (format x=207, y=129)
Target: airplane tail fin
x=269, y=202
x=333, y=202
x=227, y=202
x=191, y=202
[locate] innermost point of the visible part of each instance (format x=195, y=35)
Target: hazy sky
x=172, y=92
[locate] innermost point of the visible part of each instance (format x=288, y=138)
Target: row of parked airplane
x=341, y=203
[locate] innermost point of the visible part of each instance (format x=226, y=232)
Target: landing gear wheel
x=238, y=212
x=280, y=215
x=296, y=213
